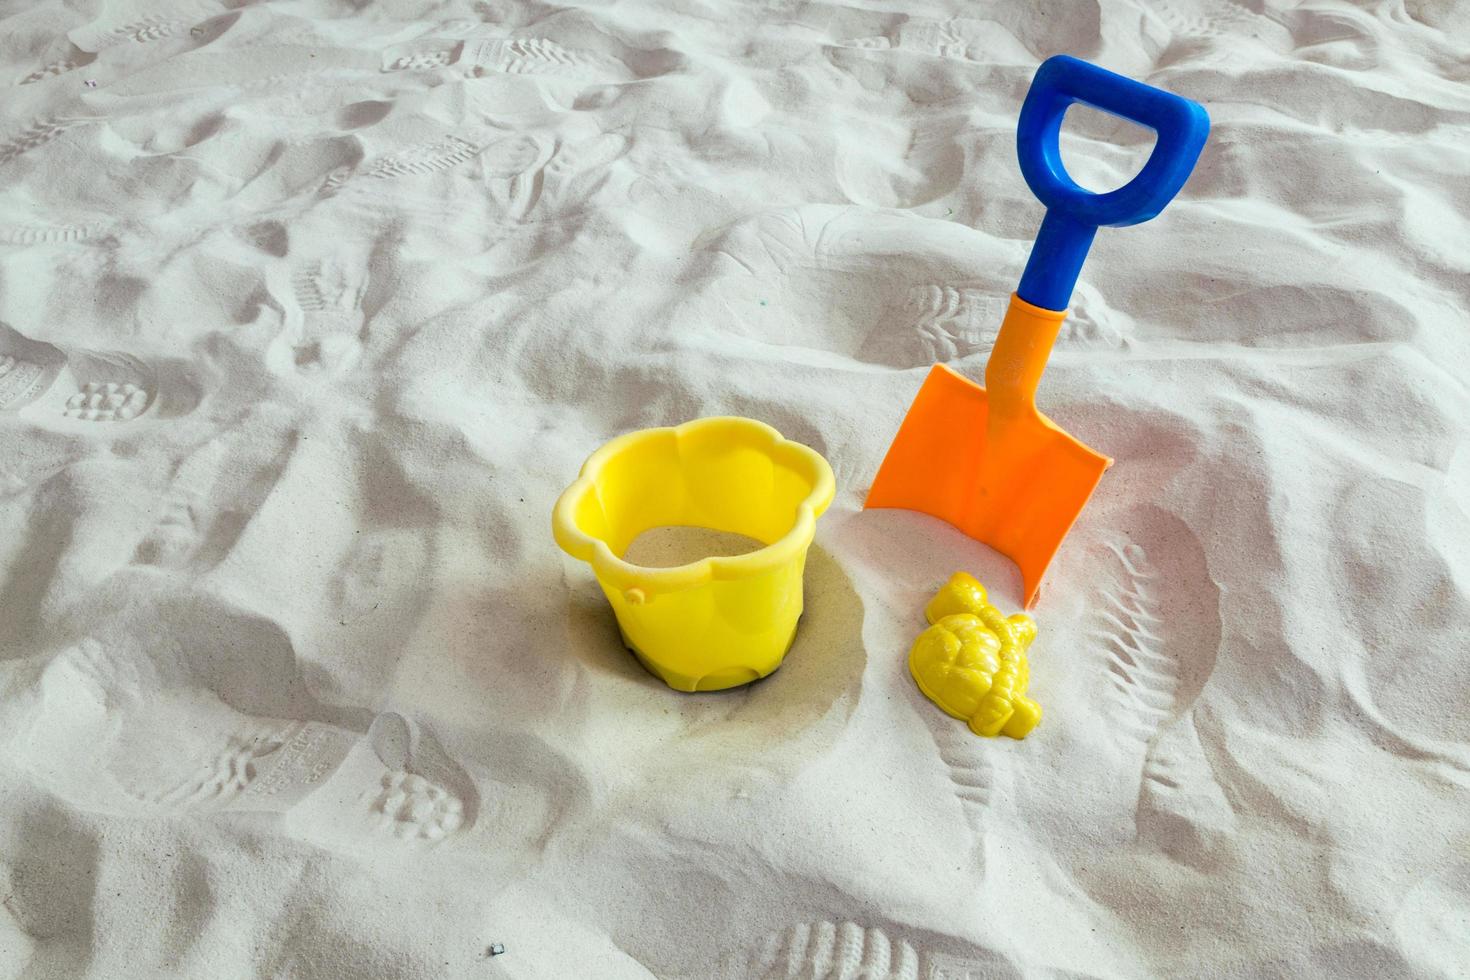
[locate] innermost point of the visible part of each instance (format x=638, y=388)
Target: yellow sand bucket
x=718, y=622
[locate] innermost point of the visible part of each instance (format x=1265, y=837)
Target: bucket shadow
x=628, y=711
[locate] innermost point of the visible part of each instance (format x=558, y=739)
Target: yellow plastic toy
x=972, y=660
x=722, y=621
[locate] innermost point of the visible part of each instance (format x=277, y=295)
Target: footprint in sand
x=178, y=23
x=275, y=766
x=848, y=951
x=936, y=321
x=323, y=329
x=970, y=764
x=109, y=401
x=414, y=807
x=533, y=179
x=120, y=737
x=74, y=59
x=96, y=37
x=1211, y=19
x=21, y=381
x=947, y=321
x=1143, y=679
x=382, y=783
x=1156, y=624
x=427, y=54
x=409, y=802
x=527, y=177
x=944, y=39
x=41, y=131
x=49, y=385
x=417, y=160
x=824, y=950
x=538, y=56
x=128, y=396
x=1092, y=324
x=174, y=537
x=480, y=54
x=64, y=234
x=424, y=158
x=878, y=287
x=1156, y=621
x=513, y=167
x=881, y=287
x=214, y=493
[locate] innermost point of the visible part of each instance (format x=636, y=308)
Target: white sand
x=294, y=682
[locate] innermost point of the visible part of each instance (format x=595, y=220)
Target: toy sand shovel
x=985, y=459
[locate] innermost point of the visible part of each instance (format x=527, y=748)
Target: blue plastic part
x=1073, y=213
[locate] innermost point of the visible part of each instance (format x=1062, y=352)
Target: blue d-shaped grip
x=1073, y=214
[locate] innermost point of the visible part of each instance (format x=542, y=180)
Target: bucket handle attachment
x=1073, y=213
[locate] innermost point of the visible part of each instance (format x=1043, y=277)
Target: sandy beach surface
x=309, y=310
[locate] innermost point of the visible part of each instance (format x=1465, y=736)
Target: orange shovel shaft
x=1019, y=357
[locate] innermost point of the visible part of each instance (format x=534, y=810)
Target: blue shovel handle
x=1073, y=214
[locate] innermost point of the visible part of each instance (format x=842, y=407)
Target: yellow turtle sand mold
x=972, y=660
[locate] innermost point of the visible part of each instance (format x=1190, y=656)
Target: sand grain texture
x=309, y=310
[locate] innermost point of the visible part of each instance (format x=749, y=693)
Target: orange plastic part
x=986, y=460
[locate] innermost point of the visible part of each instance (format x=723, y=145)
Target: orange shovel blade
x=1017, y=484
